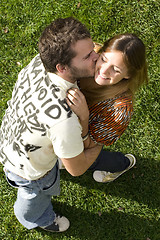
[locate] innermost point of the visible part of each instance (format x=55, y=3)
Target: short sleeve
x=109, y=120
x=66, y=138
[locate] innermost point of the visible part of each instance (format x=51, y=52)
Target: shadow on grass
x=109, y=226
x=141, y=184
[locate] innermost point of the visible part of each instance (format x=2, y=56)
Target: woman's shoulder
x=120, y=101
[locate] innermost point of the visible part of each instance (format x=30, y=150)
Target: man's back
x=35, y=116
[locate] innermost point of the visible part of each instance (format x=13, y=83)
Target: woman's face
x=110, y=68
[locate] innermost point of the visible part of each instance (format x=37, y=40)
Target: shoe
x=60, y=224
x=103, y=176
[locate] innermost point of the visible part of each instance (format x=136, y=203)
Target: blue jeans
x=33, y=206
x=110, y=162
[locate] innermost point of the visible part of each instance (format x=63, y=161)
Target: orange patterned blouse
x=109, y=119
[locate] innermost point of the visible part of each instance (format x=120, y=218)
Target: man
x=38, y=126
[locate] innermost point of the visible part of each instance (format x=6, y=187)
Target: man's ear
x=60, y=68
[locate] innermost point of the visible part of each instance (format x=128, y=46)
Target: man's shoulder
x=34, y=64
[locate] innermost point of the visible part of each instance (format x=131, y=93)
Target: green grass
x=127, y=209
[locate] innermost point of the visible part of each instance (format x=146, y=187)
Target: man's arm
x=69, y=147
x=78, y=165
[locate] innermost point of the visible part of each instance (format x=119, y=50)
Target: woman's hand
x=77, y=102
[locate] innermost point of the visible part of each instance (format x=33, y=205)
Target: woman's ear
x=60, y=68
x=127, y=77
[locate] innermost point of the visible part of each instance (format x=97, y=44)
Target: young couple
x=39, y=125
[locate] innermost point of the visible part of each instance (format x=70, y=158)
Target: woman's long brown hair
x=134, y=56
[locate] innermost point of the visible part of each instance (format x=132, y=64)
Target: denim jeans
x=110, y=162
x=33, y=206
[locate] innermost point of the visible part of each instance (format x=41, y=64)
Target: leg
x=110, y=162
x=107, y=161
x=33, y=205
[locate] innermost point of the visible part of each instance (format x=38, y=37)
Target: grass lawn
x=127, y=209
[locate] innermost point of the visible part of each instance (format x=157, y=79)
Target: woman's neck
x=95, y=93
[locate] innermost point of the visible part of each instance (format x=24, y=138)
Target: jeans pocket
x=54, y=187
x=14, y=180
x=12, y=183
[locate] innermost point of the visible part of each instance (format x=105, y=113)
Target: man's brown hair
x=57, y=40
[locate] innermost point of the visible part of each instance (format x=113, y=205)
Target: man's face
x=83, y=65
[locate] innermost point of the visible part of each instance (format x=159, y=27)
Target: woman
x=120, y=71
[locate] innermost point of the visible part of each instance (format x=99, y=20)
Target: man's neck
x=66, y=77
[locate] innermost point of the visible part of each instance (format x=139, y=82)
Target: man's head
x=66, y=44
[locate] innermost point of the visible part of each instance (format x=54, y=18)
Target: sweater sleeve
x=109, y=119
